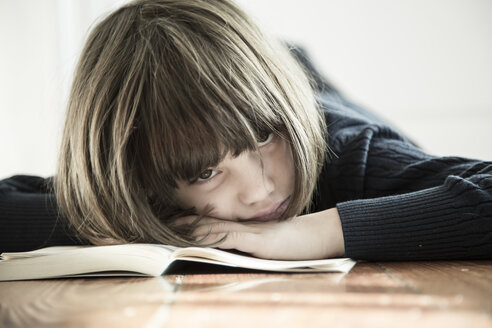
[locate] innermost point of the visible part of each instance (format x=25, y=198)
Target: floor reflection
x=265, y=283
x=54, y=302
x=369, y=289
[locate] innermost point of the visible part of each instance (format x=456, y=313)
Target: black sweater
x=395, y=201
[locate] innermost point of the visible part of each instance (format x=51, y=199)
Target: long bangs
x=196, y=132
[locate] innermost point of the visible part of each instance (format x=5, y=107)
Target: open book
x=140, y=259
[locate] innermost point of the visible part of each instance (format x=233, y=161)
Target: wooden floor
x=417, y=295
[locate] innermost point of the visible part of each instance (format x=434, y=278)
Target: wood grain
x=371, y=295
x=94, y=302
x=404, y=294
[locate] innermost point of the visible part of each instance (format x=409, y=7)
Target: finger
x=242, y=241
x=192, y=220
x=210, y=240
x=182, y=221
x=221, y=226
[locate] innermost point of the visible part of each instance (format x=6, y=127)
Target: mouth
x=272, y=214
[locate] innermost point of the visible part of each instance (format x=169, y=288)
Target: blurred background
x=423, y=65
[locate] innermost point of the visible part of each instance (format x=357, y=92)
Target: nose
x=255, y=183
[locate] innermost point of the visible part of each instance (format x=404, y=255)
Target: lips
x=272, y=214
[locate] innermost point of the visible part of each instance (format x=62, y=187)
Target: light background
x=424, y=65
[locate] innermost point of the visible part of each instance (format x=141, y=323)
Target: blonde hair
x=164, y=89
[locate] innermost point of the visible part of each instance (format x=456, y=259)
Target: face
x=244, y=188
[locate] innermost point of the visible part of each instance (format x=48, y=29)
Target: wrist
x=335, y=243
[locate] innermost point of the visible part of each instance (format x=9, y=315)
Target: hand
x=313, y=236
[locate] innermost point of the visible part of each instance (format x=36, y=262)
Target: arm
x=436, y=208
x=29, y=216
x=398, y=203
x=312, y=236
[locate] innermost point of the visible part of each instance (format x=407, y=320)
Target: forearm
x=430, y=224
x=29, y=218
x=326, y=226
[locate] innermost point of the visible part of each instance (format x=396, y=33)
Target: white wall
x=424, y=65
x=40, y=41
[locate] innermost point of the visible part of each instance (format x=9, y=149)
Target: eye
x=206, y=175
x=264, y=138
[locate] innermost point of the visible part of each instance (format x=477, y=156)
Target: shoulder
x=351, y=124
x=26, y=184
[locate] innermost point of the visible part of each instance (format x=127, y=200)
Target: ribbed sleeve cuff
x=422, y=225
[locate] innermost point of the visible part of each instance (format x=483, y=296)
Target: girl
x=188, y=126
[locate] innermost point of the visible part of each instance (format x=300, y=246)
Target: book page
x=141, y=258
x=212, y=255
x=39, y=252
x=61, y=249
